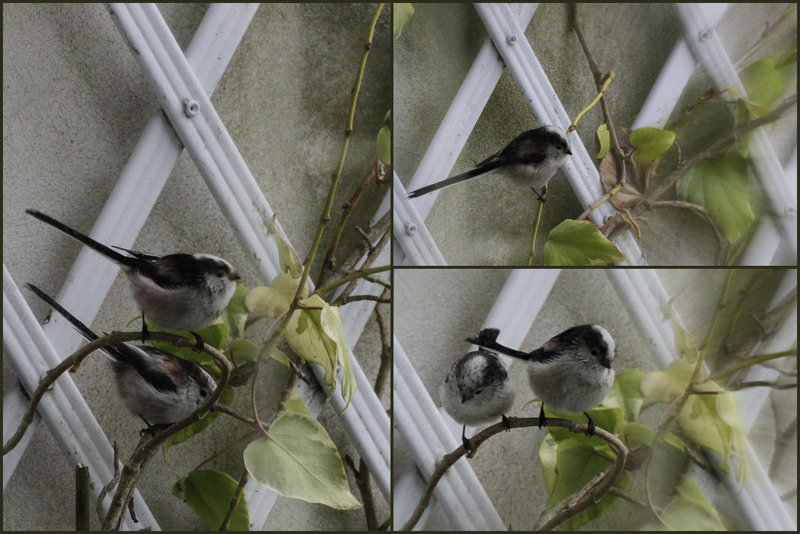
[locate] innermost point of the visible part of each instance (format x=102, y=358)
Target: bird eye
x=220, y=273
x=203, y=393
x=594, y=352
x=478, y=391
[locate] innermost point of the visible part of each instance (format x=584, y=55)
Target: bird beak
x=569, y=152
x=234, y=277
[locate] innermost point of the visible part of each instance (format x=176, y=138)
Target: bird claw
x=506, y=422
x=199, y=343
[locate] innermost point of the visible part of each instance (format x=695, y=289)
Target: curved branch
x=579, y=501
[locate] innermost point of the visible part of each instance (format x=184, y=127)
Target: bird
x=179, y=292
x=155, y=385
x=530, y=159
x=570, y=373
x=476, y=390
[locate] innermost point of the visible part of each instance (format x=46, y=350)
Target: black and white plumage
x=476, y=390
x=570, y=373
x=530, y=159
x=183, y=292
x=159, y=387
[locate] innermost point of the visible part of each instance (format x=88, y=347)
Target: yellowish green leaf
x=299, y=460
x=579, y=243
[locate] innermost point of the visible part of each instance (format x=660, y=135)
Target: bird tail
x=450, y=181
x=488, y=338
x=86, y=240
x=84, y=330
x=74, y=321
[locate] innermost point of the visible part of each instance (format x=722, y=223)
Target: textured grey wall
x=75, y=103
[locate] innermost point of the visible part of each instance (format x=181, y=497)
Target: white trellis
x=175, y=78
x=505, y=24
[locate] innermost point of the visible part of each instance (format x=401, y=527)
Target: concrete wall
x=75, y=102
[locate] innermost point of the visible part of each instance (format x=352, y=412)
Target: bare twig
x=750, y=362
x=349, y=206
x=361, y=273
x=83, y=502
x=337, y=173
x=381, y=378
x=536, y=222
x=361, y=474
x=375, y=298
x=237, y=495
x=108, y=487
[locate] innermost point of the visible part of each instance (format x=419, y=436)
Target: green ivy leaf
x=607, y=418
x=685, y=345
x=385, y=140
x=296, y=405
x=288, y=258
x=576, y=464
x=209, y=493
x=669, y=384
x=763, y=82
x=650, y=143
x=603, y=140
x=275, y=299
x=299, y=460
x=712, y=421
x=191, y=430
x=626, y=393
x=316, y=334
x=579, y=243
x=242, y=350
x=215, y=335
x=548, y=457
x=690, y=510
x=720, y=186
x=637, y=434
x=401, y=15
x=235, y=314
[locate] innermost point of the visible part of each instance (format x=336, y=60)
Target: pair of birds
x=182, y=292
x=570, y=373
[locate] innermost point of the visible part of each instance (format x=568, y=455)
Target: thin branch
x=361, y=273
x=750, y=362
x=381, y=379
x=83, y=502
x=337, y=173
x=349, y=207
x=536, y=222
x=237, y=495
x=108, y=487
x=378, y=233
x=361, y=475
x=375, y=298
x=584, y=498
x=721, y=240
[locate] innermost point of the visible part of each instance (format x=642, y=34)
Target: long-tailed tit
x=159, y=387
x=571, y=372
x=183, y=292
x=531, y=159
x=476, y=390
